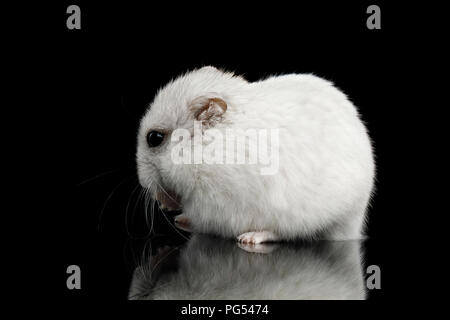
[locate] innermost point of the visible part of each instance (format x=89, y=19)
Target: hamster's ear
x=208, y=110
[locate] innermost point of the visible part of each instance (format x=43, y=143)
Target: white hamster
x=318, y=157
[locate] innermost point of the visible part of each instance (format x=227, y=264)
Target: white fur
x=211, y=268
x=326, y=165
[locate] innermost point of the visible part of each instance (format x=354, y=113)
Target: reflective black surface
x=213, y=268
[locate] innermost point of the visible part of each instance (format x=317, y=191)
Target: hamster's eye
x=154, y=138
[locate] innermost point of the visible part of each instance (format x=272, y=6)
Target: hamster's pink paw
x=182, y=222
x=264, y=248
x=257, y=237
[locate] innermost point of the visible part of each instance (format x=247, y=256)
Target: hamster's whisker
x=153, y=213
x=127, y=210
x=163, y=190
x=146, y=256
x=161, y=259
x=97, y=177
x=107, y=200
x=142, y=272
x=149, y=201
x=138, y=200
x=133, y=254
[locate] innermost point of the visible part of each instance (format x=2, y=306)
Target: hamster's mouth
x=168, y=200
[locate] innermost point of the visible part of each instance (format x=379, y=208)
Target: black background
x=97, y=82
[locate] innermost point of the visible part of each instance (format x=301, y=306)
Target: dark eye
x=154, y=138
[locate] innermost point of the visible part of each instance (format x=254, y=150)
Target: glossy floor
x=208, y=267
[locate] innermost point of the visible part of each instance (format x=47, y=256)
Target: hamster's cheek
x=143, y=177
x=147, y=175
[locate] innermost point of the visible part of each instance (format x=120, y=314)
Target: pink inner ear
x=213, y=109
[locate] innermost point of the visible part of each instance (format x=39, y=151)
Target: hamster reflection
x=213, y=268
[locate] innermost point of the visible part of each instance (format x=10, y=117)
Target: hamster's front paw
x=264, y=248
x=257, y=237
x=182, y=222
